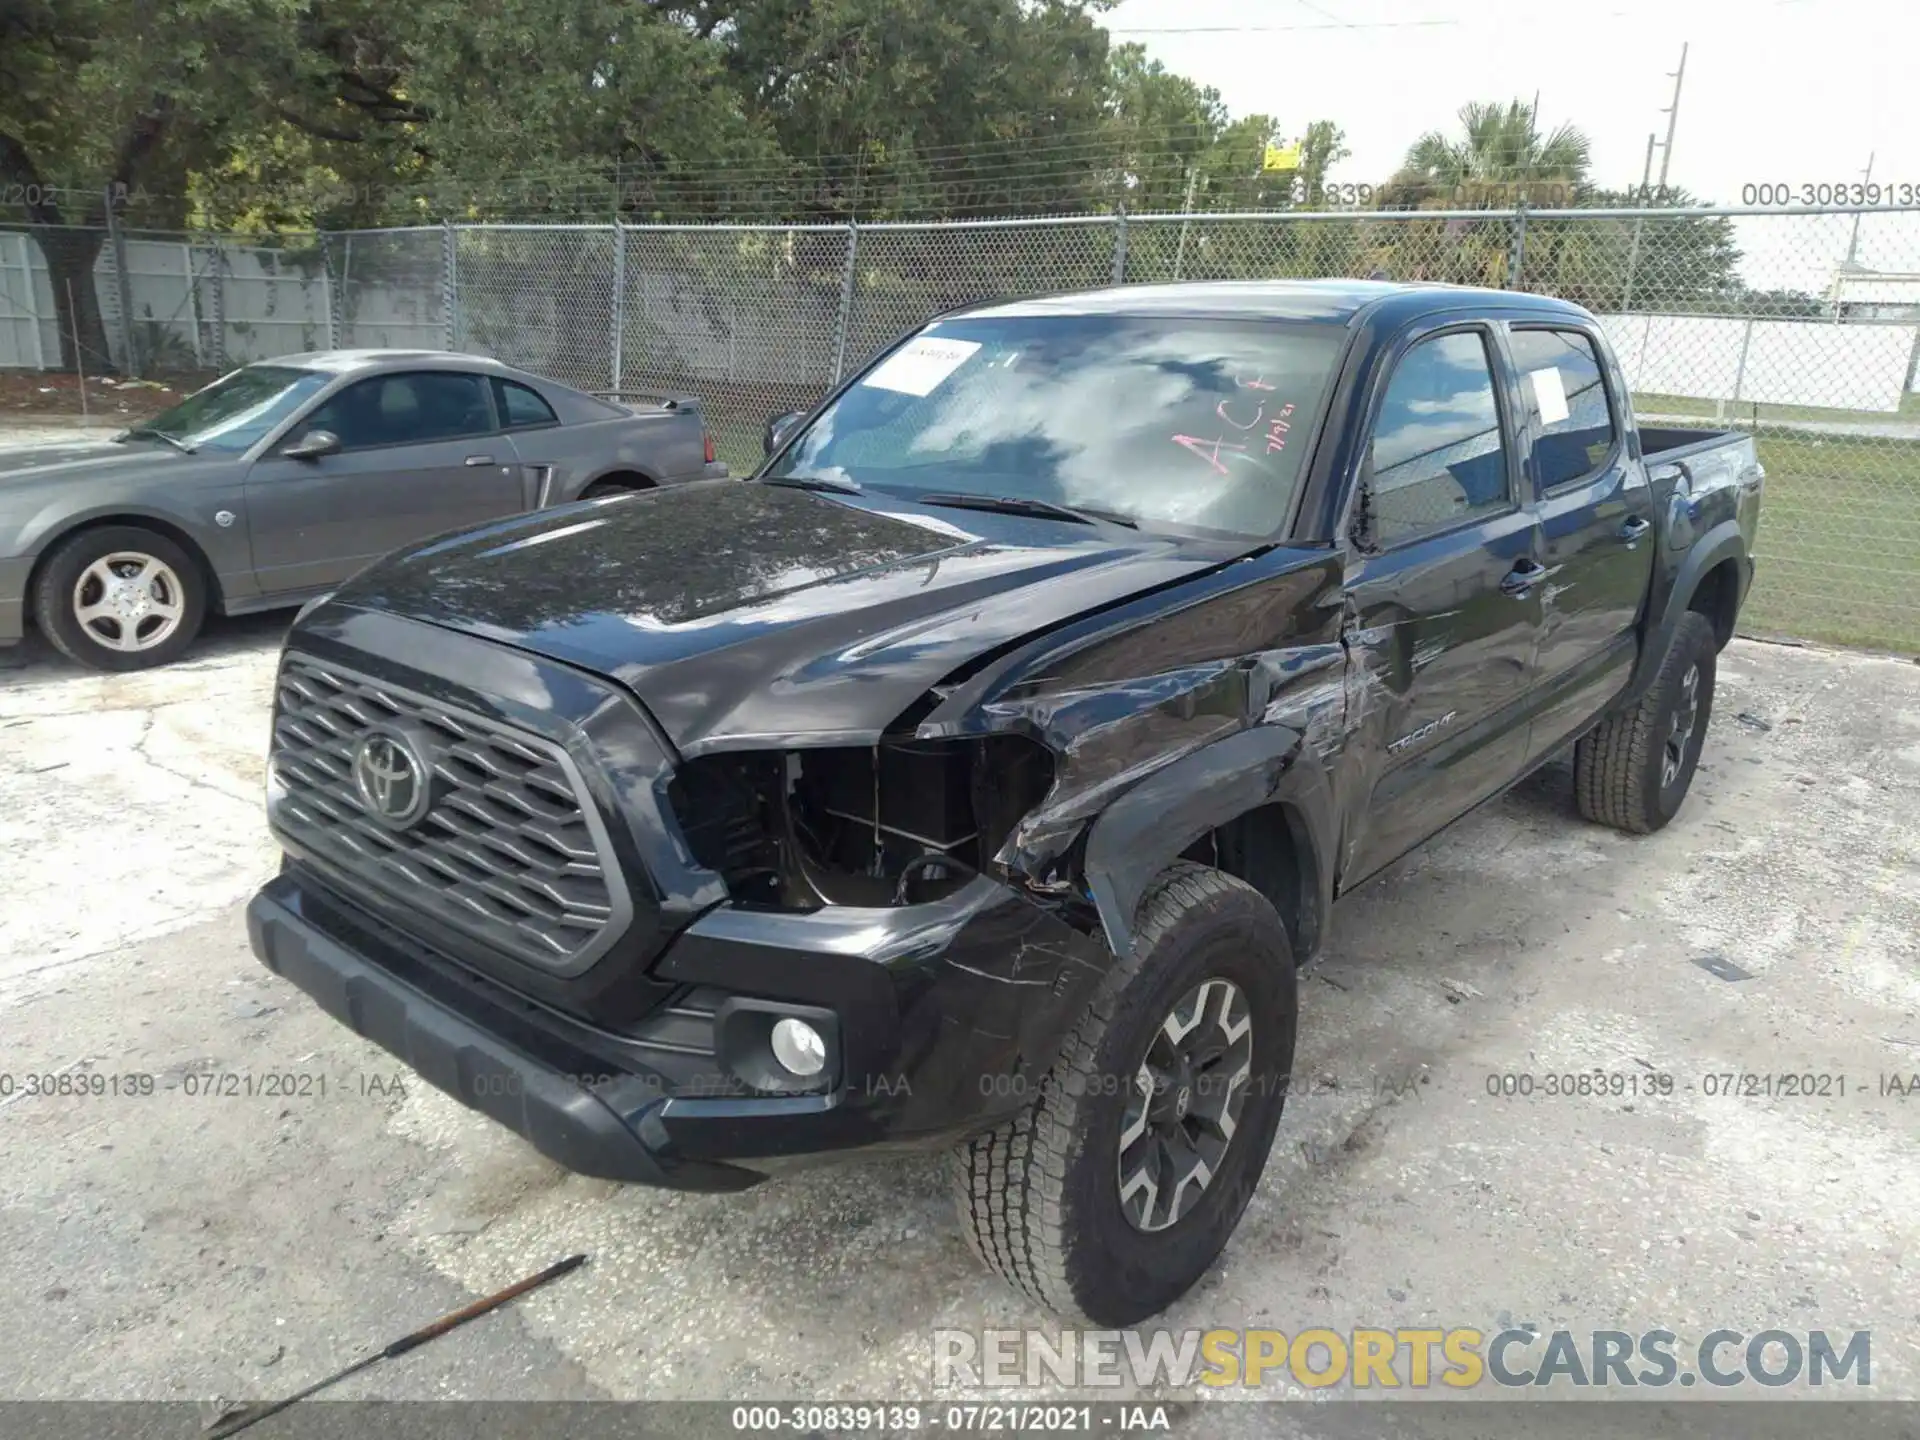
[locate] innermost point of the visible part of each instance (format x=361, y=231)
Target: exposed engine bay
x=901, y=822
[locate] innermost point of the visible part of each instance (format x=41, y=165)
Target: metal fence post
x=329, y=294
x=1120, y=245
x=217, y=266
x=118, y=240
x=619, y=307
x=449, y=289
x=1740, y=374
x=843, y=323
x=1517, y=261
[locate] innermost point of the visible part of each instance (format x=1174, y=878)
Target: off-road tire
x=1618, y=767
x=53, y=605
x=1039, y=1196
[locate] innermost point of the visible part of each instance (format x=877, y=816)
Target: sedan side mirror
x=779, y=428
x=312, y=445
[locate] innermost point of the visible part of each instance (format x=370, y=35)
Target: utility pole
x=1672, y=112
x=1633, y=251
x=1673, y=118
x=1186, y=218
x=1853, y=244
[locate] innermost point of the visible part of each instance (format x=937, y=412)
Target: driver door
x=420, y=452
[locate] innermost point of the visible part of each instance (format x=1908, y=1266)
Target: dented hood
x=746, y=614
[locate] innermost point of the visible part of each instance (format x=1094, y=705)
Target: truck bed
x=1669, y=443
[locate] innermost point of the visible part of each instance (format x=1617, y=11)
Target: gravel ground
x=183, y=1247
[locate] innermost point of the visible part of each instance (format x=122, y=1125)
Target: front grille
x=507, y=852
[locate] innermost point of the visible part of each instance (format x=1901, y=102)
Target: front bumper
x=947, y=1017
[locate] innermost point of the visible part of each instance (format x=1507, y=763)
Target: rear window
x=521, y=407
x=1198, y=423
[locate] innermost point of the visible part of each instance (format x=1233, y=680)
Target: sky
x=1784, y=91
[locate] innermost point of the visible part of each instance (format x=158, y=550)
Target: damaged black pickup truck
x=980, y=773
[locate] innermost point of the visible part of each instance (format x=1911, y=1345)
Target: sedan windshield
x=236, y=410
x=1190, y=423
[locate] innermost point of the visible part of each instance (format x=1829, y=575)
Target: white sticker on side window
x=918, y=366
x=1549, y=394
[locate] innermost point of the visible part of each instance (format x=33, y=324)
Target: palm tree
x=1500, y=158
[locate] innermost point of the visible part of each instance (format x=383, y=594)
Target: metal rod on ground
x=234, y=1424
x=79, y=363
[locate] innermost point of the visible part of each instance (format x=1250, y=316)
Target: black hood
x=749, y=614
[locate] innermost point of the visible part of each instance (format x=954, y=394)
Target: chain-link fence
x=1802, y=326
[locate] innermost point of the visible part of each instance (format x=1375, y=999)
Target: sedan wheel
x=129, y=601
x=119, y=598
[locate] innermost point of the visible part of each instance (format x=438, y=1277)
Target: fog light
x=798, y=1046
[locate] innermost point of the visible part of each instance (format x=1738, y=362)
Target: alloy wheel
x=1184, y=1104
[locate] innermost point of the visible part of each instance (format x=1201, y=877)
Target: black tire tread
x=1009, y=1184
x=1611, y=762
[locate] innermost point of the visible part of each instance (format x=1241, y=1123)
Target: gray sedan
x=279, y=481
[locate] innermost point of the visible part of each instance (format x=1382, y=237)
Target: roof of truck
x=1332, y=301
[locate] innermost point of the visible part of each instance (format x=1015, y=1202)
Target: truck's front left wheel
x=1111, y=1194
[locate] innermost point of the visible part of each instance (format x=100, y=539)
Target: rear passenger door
x=1596, y=523
x=1443, y=599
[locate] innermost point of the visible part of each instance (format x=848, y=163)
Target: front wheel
x=120, y=598
x=1112, y=1194
x=1634, y=769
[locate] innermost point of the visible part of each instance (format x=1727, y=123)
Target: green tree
x=100, y=102
x=1499, y=158
x=1671, y=264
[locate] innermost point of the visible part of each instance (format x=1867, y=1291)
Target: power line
x=1279, y=29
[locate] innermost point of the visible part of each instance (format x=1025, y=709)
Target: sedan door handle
x=1522, y=578
x=1634, y=528
x=479, y=459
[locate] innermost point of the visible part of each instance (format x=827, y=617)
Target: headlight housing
x=901, y=822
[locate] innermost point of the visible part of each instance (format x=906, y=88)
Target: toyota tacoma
x=981, y=772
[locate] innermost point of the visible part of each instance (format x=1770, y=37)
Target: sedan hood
x=86, y=456
x=749, y=614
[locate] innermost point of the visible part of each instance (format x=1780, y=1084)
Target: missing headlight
x=901, y=822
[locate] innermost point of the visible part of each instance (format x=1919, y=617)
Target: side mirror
x=312, y=445
x=779, y=428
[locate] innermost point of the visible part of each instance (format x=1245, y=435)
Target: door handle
x=1522, y=578
x=479, y=459
x=1635, y=527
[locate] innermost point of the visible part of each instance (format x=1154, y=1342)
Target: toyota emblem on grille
x=392, y=777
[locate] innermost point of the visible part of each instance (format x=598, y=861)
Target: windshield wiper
x=815, y=482
x=174, y=440
x=1025, y=505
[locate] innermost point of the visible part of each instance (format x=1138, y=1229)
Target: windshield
x=1188, y=423
x=237, y=409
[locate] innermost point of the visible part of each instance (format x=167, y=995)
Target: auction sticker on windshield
x=917, y=367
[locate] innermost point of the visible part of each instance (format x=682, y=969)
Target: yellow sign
x=1282, y=157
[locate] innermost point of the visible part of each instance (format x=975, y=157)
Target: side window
x=405, y=409
x=1437, y=456
x=1567, y=398
x=522, y=407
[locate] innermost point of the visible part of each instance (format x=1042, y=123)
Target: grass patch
x=1749, y=413
x=1839, y=545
